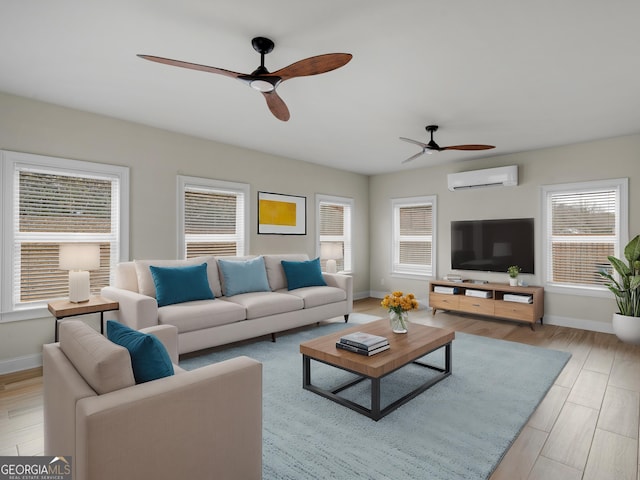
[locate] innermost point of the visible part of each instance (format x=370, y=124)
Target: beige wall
x=155, y=157
x=611, y=158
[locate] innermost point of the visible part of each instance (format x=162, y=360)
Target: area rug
x=458, y=429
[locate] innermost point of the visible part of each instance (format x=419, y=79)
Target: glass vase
x=399, y=321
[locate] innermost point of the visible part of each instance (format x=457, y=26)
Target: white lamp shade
x=330, y=251
x=79, y=256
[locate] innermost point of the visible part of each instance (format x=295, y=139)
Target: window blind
x=213, y=222
x=413, y=238
x=584, y=231
x=53, y=207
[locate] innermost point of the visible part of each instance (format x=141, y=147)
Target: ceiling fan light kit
x=432, y=146
x=261, y=79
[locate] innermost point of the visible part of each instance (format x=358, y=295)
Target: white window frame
x=11, y=161
x=210, y=185
x=347, y=238
x=622, y=230
x=404, y=270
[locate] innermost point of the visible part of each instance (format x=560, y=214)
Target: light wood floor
x=587, y=426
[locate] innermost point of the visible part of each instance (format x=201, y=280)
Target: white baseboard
x=361, y=295
x=591, y=325
x=17, y=364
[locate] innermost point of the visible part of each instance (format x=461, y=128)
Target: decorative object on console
x=626, y=322
x=331, y=251
x=282, y=214
x=399, y=305
x=79, y=258
x=513, y=271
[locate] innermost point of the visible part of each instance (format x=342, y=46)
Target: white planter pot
x=627, y=328
x=513, y=281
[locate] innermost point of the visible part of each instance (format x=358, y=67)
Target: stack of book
x=477, y=293
x=446, y=290
x=363, y=343
x=515, y=297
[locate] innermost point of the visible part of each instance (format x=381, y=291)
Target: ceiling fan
x=432, y=146
x=264, y=81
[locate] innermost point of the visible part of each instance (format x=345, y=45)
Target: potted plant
x=626, y=324
x=513, y=271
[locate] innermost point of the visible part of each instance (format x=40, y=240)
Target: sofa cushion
x=200, y=314
x=149, y=358
x=316, y=296
x=181, y=284
x=243, y=276
x=147, y=287
x=263, y=304
x=105, y=366
x=275, y=272
x=303, y=274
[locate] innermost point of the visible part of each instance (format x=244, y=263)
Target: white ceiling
x=518, y=75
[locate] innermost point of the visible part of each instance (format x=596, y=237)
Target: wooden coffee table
x=404, y=349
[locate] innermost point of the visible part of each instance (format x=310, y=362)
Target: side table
x=61, y=309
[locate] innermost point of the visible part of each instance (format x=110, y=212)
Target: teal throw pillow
x=181, y=284
x=149, y=359
x=303, y=274
x=244, y=276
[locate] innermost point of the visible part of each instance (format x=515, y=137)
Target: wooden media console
x=490, y=300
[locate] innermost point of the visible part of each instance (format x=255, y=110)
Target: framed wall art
x=282, y=214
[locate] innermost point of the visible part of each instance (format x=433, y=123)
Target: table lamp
x=78, y=258
x=331, y=252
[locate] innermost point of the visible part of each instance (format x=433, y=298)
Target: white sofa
x=225, y=319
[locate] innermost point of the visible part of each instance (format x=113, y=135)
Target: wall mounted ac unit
x=489, y=177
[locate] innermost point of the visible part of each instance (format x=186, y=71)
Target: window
x=583, y=224
x=212, y=217
x=334, y=231
x=48, y=201
x=414, y=221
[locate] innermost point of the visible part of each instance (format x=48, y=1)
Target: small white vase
x=627, y=328
x=399, y=321
x=513, y=281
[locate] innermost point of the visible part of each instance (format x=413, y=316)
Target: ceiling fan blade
x=277, y=105
x=192, y=66
x=468, y=147
x=413, y=157
x=423, y=145
x=314, y=65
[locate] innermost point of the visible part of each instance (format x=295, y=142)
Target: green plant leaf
x=632, y=250
x=620, y=266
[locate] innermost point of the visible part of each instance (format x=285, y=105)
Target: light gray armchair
x=201, y=424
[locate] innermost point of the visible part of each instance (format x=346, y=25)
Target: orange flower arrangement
x=398, y=302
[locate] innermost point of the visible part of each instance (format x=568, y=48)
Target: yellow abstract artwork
x=273, y=212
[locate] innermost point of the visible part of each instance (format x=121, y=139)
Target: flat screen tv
x=492, y=245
